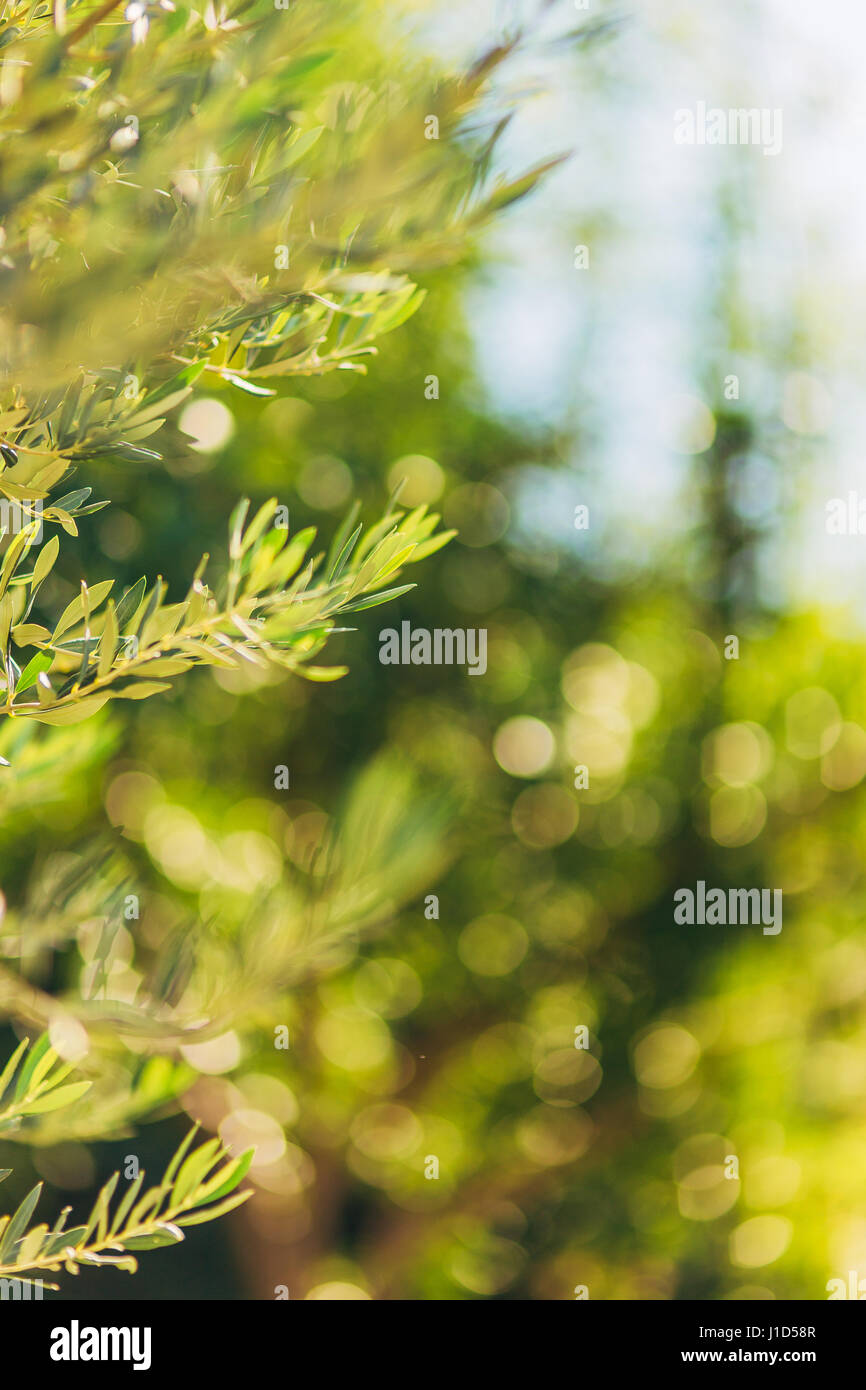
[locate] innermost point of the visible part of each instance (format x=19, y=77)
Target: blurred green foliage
x=150, y=205
x=449, y=1032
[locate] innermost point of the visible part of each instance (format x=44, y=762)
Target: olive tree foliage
x=189, y=196
x=196, y=195
x=198, y=1185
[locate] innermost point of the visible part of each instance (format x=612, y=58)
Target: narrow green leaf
x=126, y=1202
x=63, y=1240
x=45, y=561
x=143, y=691
x=342, y=535
x=178, y=1156
x=18, y=1223
x=31, y=1245
x=153, y=603
x=55, y=1100
x=165, y=1234
x=37, y=1052
x=196, y=1218
x=258, y=524
x=236, y=526
x=193, y=1171
x=226, y=1180
x=11, y=1065
x=41, y=1070
x=108, y=642
x=130, y=603
x=343, y=558
x=373, y=600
